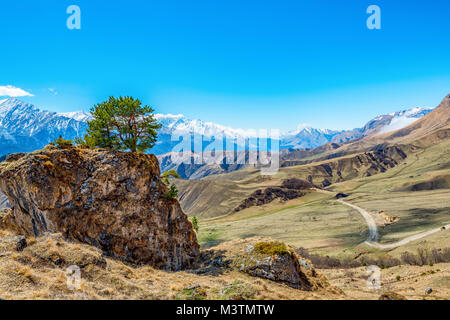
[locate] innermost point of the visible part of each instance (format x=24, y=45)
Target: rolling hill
x=331, y=164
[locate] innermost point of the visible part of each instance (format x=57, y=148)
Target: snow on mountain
x=178, y=123
x=23, y=128
x=382, y=124
x=307, y=137
x=404, y=118
x=77, y=115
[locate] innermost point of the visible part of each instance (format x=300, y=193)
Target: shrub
x=423, y=257
x=238, y=290
x=192, y=293
x=194, y=222
x=87, y=142
x=60, y=142
x=169, y=174
x=408, y=258
x=173, y=192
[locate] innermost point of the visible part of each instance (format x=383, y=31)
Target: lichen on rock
x=272, y=260
x=112, y=200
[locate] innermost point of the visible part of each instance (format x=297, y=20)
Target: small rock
x=249, y=249
x=21, y=243
x=428, y=290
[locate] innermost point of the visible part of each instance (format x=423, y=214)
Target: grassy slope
x=319, y=223
x=219, y=195
x=39, y=272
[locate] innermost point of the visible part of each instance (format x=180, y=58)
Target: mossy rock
x=271, y=248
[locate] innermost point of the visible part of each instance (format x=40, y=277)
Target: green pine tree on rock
x=121, y=123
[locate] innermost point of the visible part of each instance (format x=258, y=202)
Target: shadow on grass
x=353, y=239
x=418, y=219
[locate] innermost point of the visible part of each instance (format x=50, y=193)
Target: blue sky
x=248, y=64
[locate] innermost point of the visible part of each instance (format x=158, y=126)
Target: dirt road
x=372, y=240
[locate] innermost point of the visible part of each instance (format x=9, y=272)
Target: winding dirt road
x=372, y=240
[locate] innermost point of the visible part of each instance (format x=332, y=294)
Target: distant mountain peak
x=24, y=127
x=21, y=120
x=77, y=115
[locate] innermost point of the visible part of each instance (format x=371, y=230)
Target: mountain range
x=24, y=128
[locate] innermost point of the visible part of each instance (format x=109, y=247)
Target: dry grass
x=412, y=283
x=39, y=272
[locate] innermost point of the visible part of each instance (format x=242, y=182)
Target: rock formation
x=263, y=258
x=112, y=200
x=290, y=189
x=277, y=262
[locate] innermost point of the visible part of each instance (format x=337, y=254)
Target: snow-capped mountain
x=24, y=128
x=307, y=137
x=77, y=115
x=382, y=124
x=404, y=118
x=178, y=125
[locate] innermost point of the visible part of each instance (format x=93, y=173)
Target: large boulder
x=276, y=261
x=112, y=200
x=265, y=258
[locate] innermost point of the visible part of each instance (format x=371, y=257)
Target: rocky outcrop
x=278, y=262
x=112, y=200
x=263, y=258
x=387, y=219
x=289, y=189
x=261, y=197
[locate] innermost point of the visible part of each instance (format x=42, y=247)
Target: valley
x=382, y=199
x=408, y=181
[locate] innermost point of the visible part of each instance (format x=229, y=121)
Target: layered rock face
x=110, y=199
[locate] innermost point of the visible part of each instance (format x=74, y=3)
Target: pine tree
x=122, y=123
